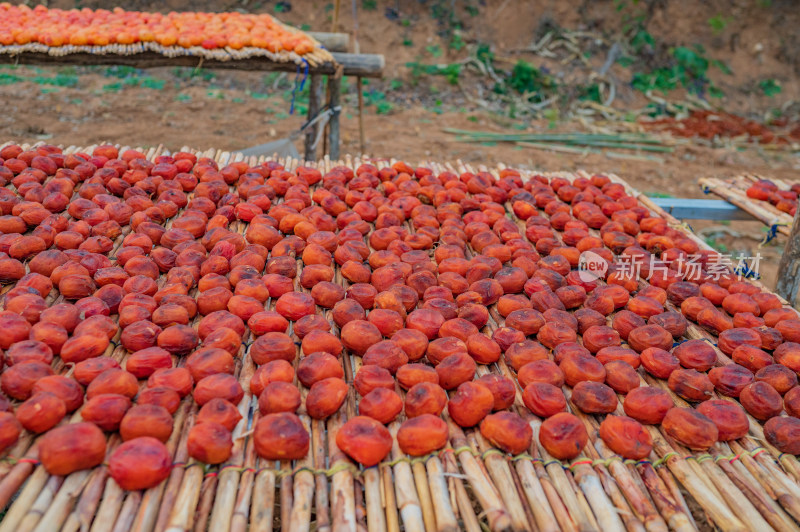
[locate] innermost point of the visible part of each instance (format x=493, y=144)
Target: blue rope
x=745, y=271
x=772, y=233
x=299, y=85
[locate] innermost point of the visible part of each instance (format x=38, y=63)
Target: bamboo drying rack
x=740, y=485
x=734, y=190
x=319, y=55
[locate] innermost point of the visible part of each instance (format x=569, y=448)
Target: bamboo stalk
x=493, y=507
x=408, y=500
x=443, y=511
x=59, y=507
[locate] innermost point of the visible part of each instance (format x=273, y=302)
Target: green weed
x=769, y=87
x=717, y=23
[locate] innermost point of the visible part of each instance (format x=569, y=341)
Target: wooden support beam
x=334, y=89
x=314, y=105
x=364, y=65
x=333, y=42
x=789, y=266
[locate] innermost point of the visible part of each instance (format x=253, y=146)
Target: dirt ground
x=235, y=110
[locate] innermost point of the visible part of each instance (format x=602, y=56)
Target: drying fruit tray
x=772, y=201
x=489, y=273
x=212, y=36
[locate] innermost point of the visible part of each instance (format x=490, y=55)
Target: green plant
x=435, y=50
x=688, y=69
x=526, y=78
x=407, y=42
x=484, y=54
x=369, y=5
x=717, y=23
x=378, y=99
x=769, y=87
x=590, y=93
x=451, y=71
x=641, y=40
x=457, y=42
x=396, y=84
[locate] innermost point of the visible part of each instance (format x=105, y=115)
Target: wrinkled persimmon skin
x=659, y=362
x=210, y=443
x=85, y=371
x=411, y=374
x=281, y=436
x=106, y=410
x=579, y=368
x=690, y=428
x=70, y=448
x=10, y=429
x=279, y=397
x=425, y=398
x=541, y=371
x=146, y=420
x=730, y=379
x=326, y=397
x=594, y=397
x=140, y=463
x=779, y=377
x=422, y=435
x=455, y=370
x=161, y=396
x=730, y=339
x=41, y=412
x=365, y=440
x=358, y=336
x=647, y=336
x=761, y=400
x=508, y=432
x=626, y=437
x=563, y=436
x=784, y=434
x=543, y=399
x=381, y=405
x=647, y=404
x=691, y=385
x=219, y=385
x=502, y=389
x=470, y=404
x=178, y=379
x=729, y=417
x=621, y=376
x=597, y=337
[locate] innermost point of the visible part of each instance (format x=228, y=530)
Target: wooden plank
x=333, y=42
x=365, y=65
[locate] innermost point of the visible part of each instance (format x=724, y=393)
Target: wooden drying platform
x=740, y=485
x=734, y=190
x=320, y=66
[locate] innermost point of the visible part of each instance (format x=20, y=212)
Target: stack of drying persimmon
x=141, y=285
x=21, y=25
x=783, y=200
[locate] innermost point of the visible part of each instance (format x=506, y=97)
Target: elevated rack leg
x=789, y=267
x=334, y=85
x=314, y=98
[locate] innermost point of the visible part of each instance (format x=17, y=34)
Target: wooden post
x=314, y=97
x=334, y=89
x=789, y=266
